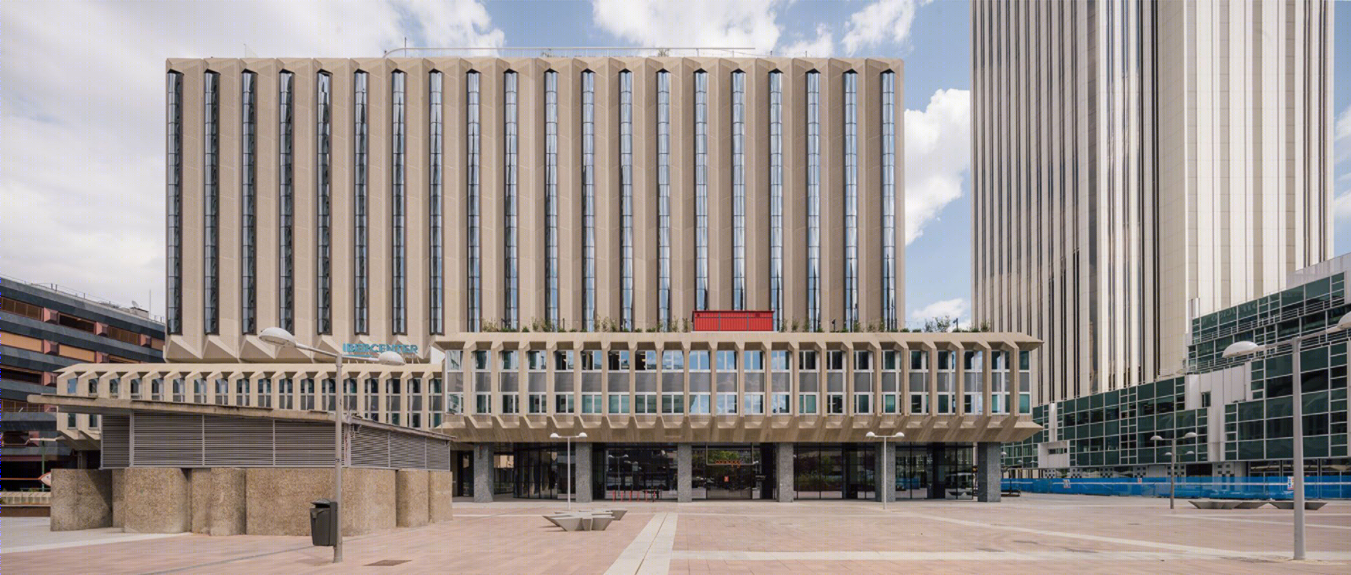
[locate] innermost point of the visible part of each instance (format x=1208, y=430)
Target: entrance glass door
x=727, y=472
x=913, y=465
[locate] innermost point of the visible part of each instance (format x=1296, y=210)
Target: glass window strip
x=360, y=202
x=323, y=203
x=436, y=263
x=551, y=198
x=211, y=202
x=286, y=199
x=626, y=197
x=701, y=190
x=472, y=144
x=664, y=198
x=589, y=199
x=851, y=231
x=776, y=196
x=738, y=190
x=814, y=199
x=174, y=201
x=509, y=237
x=248, y=208
x=889, y=311
x=398, y=207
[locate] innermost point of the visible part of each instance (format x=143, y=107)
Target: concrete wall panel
x=81, y=499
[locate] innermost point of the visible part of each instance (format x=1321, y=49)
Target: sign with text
x=374, y=349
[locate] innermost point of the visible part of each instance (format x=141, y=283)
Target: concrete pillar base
x=410, y=498
x=440, y=496
x=988, y=472
x=483, y=473
x=581, y=472
x=684, y=473
x=158, y=500
x=783, y=469
x=81, y=499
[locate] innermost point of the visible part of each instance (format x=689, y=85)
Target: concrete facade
x=988, y=472
x=81, y=499
x=119, y=495
x=202, y=486
x=412, y=497
x=158, y=500
x=440, y=496
x=483, y=473
x=227, y=508
x=783, y=466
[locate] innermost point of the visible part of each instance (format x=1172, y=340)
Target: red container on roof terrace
x=733, y=320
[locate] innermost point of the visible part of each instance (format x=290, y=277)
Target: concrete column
x=886, y=471
x=158, y=500
x=483, y=473
x=581, y=470
x=987, y=472
x=684, y=473
x=783, y=457
x=81, y=499
x=411, y=502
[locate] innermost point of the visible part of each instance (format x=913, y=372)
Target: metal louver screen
x=303, y=444
x=438, y=455
x=168, y=441
x=116, y=442
x=369, y=447
x=236, y=442
x=408, y=452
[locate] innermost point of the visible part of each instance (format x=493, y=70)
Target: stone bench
x=581, y=520
x=1309, y=505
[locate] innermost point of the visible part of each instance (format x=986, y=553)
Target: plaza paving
x=1031, y=534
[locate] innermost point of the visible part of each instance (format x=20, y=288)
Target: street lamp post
x=1247, y=348
x=569, y=439
x=1172, y=463
x=898, y=435
x=283, y=339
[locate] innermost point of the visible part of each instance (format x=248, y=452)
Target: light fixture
x=278, y=337
x=1240, y=348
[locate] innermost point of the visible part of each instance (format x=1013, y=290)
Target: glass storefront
x=634, y=472
x=727, y=472
x=541, y=472
x=835, y=471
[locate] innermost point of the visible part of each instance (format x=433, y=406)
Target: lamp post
x=569, y=439
x=283, y=339
x=1248, y=348
x=898, y=435
x=1172, y=463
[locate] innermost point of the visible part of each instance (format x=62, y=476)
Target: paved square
x=1034, y=533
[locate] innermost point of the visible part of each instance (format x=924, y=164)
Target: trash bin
x=324, y=523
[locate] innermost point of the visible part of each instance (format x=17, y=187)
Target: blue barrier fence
x=1324, y=487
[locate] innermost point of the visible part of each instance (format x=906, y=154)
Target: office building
x=1138, y=165
x=538, y=235
x=44, y=329
x=1239, y=409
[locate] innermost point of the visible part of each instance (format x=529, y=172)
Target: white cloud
x=881, y=21
x=820, y=47
x=1344, y=124
x=1341, y=205
x=694, y=23
x=937, y=154
x=82, y=146
x=954, y=308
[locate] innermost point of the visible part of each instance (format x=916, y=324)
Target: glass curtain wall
x=738, y=190
x=701, y=190
x=436, y=281
x=360, y=207
x=626, y=198
x=510, y=143
x=398, y=207
x=211, y=202
x=323, y=202
x=664, y=199
x=551, y=312
x=248, y=204
x=472, y=146
x=589, y=199
x=174, y=201
x=814, y=199
x=286, y=200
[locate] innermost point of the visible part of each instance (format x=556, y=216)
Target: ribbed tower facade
x=1137, y=164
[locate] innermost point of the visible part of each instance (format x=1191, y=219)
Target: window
x=264, y=392
x=701, y=190
x=672, y=360
x=373, y=399
x=645, y=403
x=350, y=394
x=619, y=403
x=779, y=404
x=563, y=403
x=415, y=402
x=626, y=198
x=835, y=404
x=727, y=404
x=673, y=403
x=889, y=315
x=179, y=391
x=241, y=392
x=973, y=382
x=157, y=390
x=591, y=403
x=510, y=143
x=814, y=199
x=699, y=404
x=323, y=203
x=21, y=308
x=360, y=204
x=918, y=383
x=539, y=403
x=863, y=403
x=286, y=200
x=199, y=391
x=307, y=394
x=726, y=361
x=248, y=202
x=947, y=382
x=738, y=190
x=211, y=202
x=474, y=295
x=806, y=404
x=755, y=403
x=398, y=209
x=776, y=196
x=328, y=388
x=664, y=199
x=436, y=281
x=889, y=403
x=174, y=212
x=588, y=201
x=551, y=312
x=851, y=200
x=510, y=403
x=999, y=382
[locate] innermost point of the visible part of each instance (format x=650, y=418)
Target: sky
x=82, y=107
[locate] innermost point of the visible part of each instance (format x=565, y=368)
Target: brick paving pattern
x=1035, y=533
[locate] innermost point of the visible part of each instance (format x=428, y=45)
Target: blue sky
x=96, y=224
